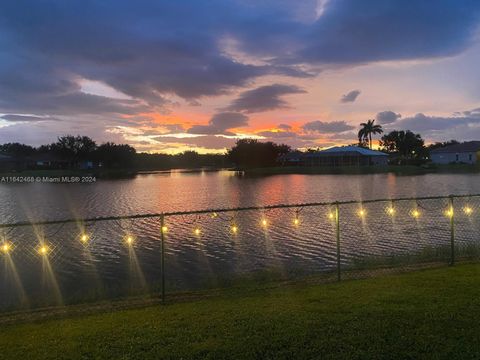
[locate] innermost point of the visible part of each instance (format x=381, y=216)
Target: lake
x=106, y=267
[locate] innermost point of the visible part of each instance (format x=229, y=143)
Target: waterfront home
x=345, y=156
x=464, y=153
x=335, y=156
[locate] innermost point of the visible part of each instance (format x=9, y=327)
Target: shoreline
x=365, y=170
x=277, y=170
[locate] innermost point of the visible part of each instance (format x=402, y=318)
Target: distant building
x=465, y=153
x=293, y=158
x=345, y=156
x=336, y=156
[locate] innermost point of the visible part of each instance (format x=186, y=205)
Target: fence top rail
x=224, y=210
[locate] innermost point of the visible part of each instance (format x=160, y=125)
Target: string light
x=129, y=240
x=6, y=247
x=43, y=250
x=449, y=212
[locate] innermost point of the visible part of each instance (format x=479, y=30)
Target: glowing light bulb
x=129, y=240
x=449, y=212
x=84, y=238
x=296, y=221
x=164, y=228
x=391, y=211
x=234, y=229
x=264, y=222
x=468, y=210
x=43, y=250
x=362, y=213
x=197, y=231
x=6, y=247
x=331, y=215
x=416, y=213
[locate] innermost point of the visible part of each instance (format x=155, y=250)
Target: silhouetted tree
x=407, y=144
x=250, y=153
x=17, y=149
x=115, y=155
x=438, y=145
x=367, y=130
x=74, y=147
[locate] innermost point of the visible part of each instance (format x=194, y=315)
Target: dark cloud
x=431, y=124
x=352, y=31
x=327, y=127
x=220, y=124
x=278, y=134
x=284, y=126
x=264, y=98
x=387, y=117
x=25, y=118
x=351, y=96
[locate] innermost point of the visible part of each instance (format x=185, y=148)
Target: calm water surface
x=106, y=267
x=192, y=191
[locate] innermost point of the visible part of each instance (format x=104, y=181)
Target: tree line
x=75, y=149
x=404, y=146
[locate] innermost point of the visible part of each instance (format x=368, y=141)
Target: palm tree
x=367, y=130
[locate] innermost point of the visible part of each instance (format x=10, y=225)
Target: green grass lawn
x=423, y=314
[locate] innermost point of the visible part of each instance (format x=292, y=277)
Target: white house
x=464, y=153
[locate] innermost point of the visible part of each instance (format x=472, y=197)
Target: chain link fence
x=155, y=255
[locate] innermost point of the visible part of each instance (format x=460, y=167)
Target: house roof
x=469, y=146
x=347, y=150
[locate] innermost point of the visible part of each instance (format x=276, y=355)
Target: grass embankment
x=424, y=314
x=358, y=170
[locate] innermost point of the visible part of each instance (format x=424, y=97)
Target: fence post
x=337, y=230
x=452, y=232
x=162, y=264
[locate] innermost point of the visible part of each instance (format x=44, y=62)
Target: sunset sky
x=167, y=76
